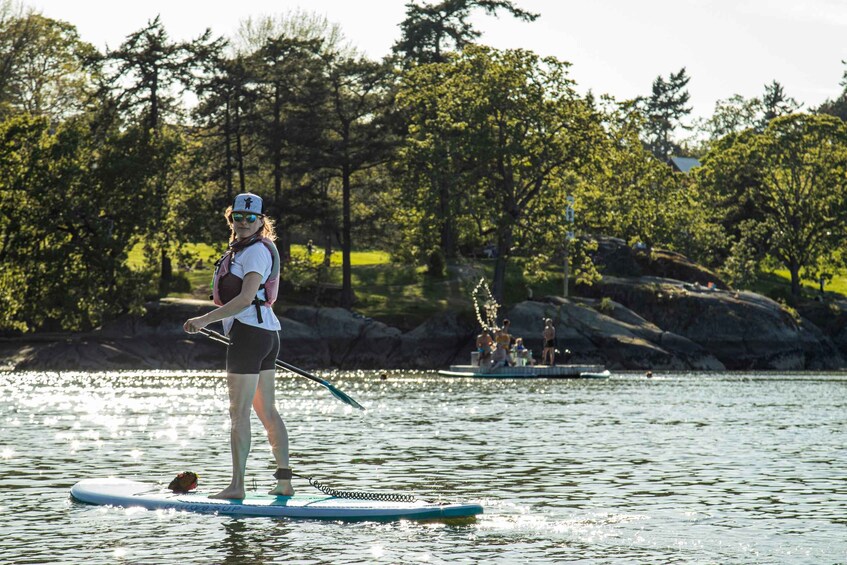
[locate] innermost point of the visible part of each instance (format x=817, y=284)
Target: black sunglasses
x=236, y=217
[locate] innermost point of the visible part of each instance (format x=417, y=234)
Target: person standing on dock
x=549, y=336
x=503, y=338
x=245, y=284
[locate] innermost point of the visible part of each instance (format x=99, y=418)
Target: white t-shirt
x=253, y=259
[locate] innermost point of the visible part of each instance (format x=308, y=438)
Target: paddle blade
x=342, y=396
x=280, y=364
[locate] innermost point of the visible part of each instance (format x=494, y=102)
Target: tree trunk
x=167, y=273
x=504, y=244
x=239, y=151
x=794, y=269
x=328, y=249
x=448, y=234
x=154, y=105
x=346, y=271
x=276, y=148
x=228, y=151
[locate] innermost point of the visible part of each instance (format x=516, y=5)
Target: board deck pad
x=128, y=493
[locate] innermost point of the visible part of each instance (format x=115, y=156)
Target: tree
x=253, y=34
x=664, y=111
x=427, y=28
x=16, y=31
x=231, y=94
x=141, y=79
x=47, y=74
x=360, y=97
x=837, y=107
x=799, y=188
x=733, y=115
x=517, y=130
x=287, y=122
x=631, y=195
x=145, y=69
x=85, y=202
x=725, y=183
x=223, y=100
x=804, y=189
x=427, y=33
x=776, y=103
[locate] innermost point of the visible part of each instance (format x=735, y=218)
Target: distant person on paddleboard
x=244, y=288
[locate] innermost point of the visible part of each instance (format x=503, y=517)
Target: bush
x=605, y=306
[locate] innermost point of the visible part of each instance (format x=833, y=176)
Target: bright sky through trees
x=616, y=46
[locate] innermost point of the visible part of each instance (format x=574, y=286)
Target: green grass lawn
x=777, y=283
x=357, y=258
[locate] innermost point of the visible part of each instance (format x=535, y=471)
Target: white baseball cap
x=247, y=202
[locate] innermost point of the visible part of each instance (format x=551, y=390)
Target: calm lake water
x=680, y=468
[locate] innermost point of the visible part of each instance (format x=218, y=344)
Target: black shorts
x=251, y=349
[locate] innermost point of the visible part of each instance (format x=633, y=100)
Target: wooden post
x=569, y=218
x=566, y=268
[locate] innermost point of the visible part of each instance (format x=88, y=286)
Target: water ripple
x=681, y=468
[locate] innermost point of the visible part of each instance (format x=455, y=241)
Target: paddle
x=283, y=365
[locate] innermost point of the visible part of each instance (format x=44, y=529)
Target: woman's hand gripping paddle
x=283, y=365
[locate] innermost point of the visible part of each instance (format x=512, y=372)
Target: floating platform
x=529, y=372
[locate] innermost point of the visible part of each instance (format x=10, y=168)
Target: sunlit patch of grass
x=777, y=283
x=206, y=253
x=357, y=258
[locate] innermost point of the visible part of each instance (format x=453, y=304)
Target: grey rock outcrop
x=338, y=338
x=743, y=330
x=620, y=339
x=441, y=341
x=623, y=323
x=154, y=341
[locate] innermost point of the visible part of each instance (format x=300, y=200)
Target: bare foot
x=283, y=488
x=230, y=493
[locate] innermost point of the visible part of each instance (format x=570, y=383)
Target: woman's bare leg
x=242, y=389
x=265, y=406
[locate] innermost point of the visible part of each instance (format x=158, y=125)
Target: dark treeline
x=441, y=148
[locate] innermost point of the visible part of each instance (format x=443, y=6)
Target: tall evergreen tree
x=838, y=106
x=225, y=98
x=776, y=103
x=144, y=73
x=288, y=118
x=144, y=77
x=665, y=110
x=430, y=29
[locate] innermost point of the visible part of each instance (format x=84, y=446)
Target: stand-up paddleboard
x=126, y=493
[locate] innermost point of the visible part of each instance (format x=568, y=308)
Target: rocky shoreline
x=650, y=311
x=641, y=323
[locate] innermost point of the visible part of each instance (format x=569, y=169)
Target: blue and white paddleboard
x=127, y=493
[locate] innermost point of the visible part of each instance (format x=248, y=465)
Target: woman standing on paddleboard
x=245, y=284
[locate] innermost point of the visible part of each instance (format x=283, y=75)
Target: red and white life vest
x=226, y=285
